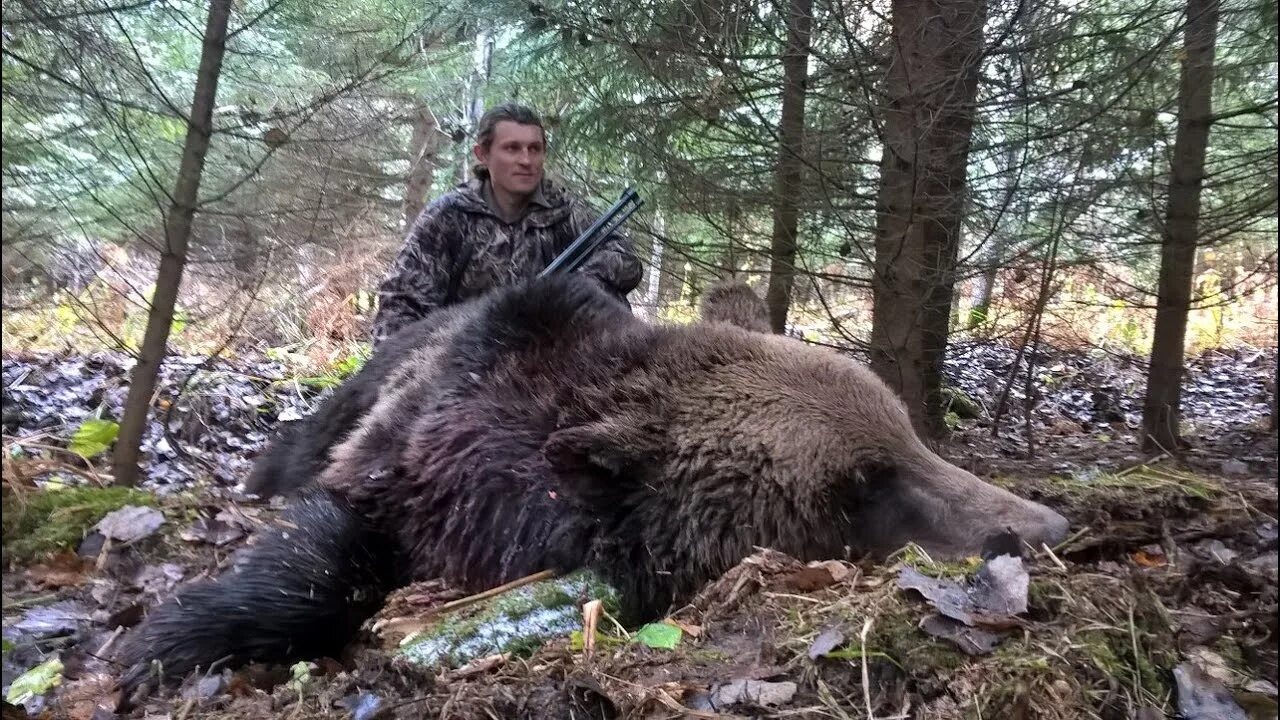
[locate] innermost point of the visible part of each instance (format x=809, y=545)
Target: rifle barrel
x=586, y=243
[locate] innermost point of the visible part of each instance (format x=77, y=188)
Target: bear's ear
x=606, y=448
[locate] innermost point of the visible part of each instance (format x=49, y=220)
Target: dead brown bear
x=544, y=427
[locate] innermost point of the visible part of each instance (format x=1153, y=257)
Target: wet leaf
x=995, y=595
x=364, y=706
x=212, y=531
x=1202, y=697
x=1000, y=586
x=828, y=640
x=35, y=682
x=93, y=437
x=970, y=640
x=130, y=523
x=664, y=636
x=158, y=579
x=56, y=619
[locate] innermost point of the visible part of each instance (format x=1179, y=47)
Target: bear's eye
x=868, y=483
x=874, y=472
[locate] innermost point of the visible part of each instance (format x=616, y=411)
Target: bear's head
x=734, y=302
x=740, y=439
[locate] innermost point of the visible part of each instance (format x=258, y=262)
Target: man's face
x=514, y=158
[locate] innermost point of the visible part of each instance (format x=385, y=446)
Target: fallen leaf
x=92, y=437
x=62, y=570
x=1000, y=586
x=35, y=682
x=207, y=687
x=839, y=570
x=660, y=635
x=158, y=579
x=1211, y=664
x=213, y=531
x=364, y=706
x=1201, y=697
x=479, y=666
x=971, y=640
x=1215, y=550
x=756, y=692
x=807, y=579
x=948, y=597
x=1144, y=558
x=993, y=598
x=130, y=523
x=56, y=619
x=1262, y=687
x=690, y=630
x=827, y=640
x=86, y=698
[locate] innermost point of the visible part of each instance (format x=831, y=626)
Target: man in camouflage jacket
x=461, y=245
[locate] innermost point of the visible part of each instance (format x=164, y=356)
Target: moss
x=1112, y=652
x=44, y=522
x=517, y=622
x=913, y=556
x=1162, y=483
x=1227, y=647
x=956, y=402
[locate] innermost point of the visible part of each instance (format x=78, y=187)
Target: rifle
x=591, y=238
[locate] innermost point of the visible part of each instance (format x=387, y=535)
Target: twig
x=1049, y=551
x=866, y=674
x=102, y=650
x=1137, y=665
x=411, y=625
x=472, y=599
x=1079, y=534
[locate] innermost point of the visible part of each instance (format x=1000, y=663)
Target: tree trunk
x=790, y=170
x=1160, y=410
x=932, y=85
x=650, y=301
x=424, y=149
x=173, y=256
x=993, y=253
x=481, y=70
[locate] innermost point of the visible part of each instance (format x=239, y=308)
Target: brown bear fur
x=732, y=301
x=544, y=427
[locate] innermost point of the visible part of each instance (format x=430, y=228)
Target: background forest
x=893, y=179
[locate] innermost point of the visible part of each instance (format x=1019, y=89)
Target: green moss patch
x=517, y=622
x=40, y=523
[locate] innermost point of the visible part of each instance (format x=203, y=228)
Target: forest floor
x=1162, y=601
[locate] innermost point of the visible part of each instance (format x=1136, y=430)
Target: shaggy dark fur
x=733, y=302
x=300, y=451
x=303, y=590
x=544, y=427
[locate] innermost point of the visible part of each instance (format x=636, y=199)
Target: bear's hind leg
x=302, y=591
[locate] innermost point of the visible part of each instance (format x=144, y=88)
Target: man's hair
x=506, y=111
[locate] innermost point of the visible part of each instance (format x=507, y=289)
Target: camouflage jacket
x=459, y=248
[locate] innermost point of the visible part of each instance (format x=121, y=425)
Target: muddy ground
x=1172, y=564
